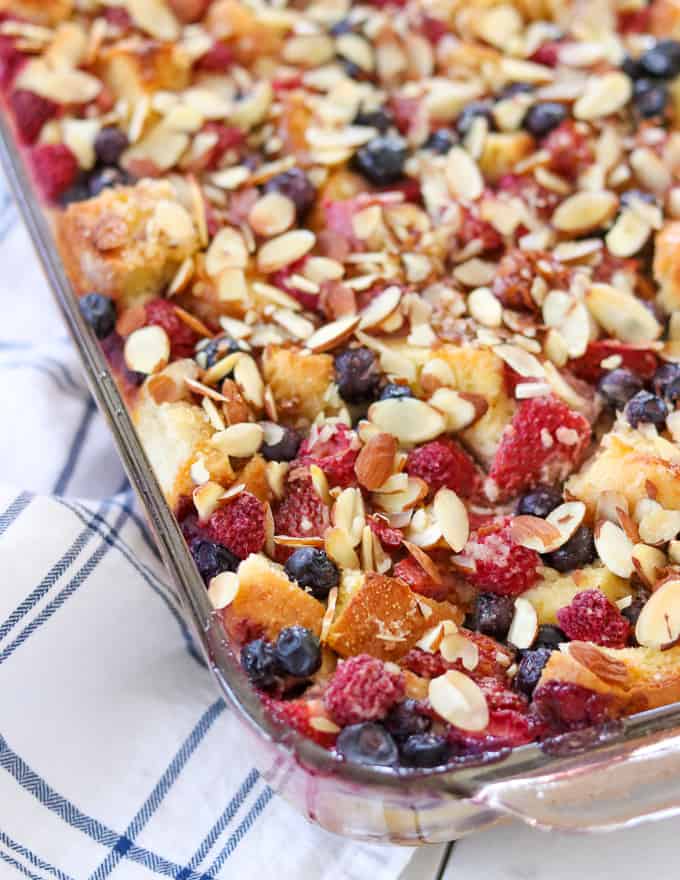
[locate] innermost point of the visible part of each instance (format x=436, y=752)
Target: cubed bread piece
x=254, y=478
x=382, y=616
x=634, y=678
x=267, y=601
x=133, y=69
x=480, y=371
x=298, y=380
x=556, y=591
x=667, y=265
x=665, y=19
x=38, y=11
x=502, y=151
x=632, y=464
x=127, y=242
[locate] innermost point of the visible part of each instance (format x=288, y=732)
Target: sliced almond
x=294, y=541
x=521, y=361
x=566, y=518
x=241, y=441
x=380, y=308
x=285, y=249
x=247, y=377
x=524, y=626
x=424, y=530
x=533, y=533
x=155, y=17
x=659, y=620
x=659, y=526
x=339, y=548
x=271, y=215
x=406, y=499
x=375, y=461
x=585, y=211
x=650, y=564
x=206, y=499
x=456, y=698
x=628, y=235
x=461, y=410
x=456, y=646
x=408, y=419
x=608, y=669
x=621, y=314
x=223, y=589
x=424, y=561
x=452, y=517
x=609, y=503
x=614, y=548
x=147, y=350
x=349, y=514
x=331, y=335
x=463, y=175
x=604, y=94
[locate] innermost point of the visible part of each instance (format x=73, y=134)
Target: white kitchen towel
x=118, y=759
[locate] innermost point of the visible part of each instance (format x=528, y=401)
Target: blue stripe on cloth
x=212, y=836
x=31, y=857
x=161, y=789
x=35, y=785
x=13, y=512
x=38, y=367
x=76, y=448
x=127, y=503
x=20, y=868
x=245, y=826
x=76, y=581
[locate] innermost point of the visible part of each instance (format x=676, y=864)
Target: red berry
x=183, y=339
x=119, y=17
x=218, y=59
x=340, y=236
x=419, y=580
x=540, y=200
x=500, y=565
x=563, y=706
x=11, y=60
x=443, y=463
x=568, y=149
x=31, y=112
x=591, y=617
x=589, y=367
x=333, y=448
x=424, y=664
x=434, y=29
x=55, y=168
x=283, y=279
x=301, y=513
x=473, y=228
x=362, y=689
x=297, y=714
x=500, y=697
x=239, y=525
x=543, y=444
x=388, y=536
x=228, y=138
x=547, y=54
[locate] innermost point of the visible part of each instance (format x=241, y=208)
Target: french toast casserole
x=390, y=291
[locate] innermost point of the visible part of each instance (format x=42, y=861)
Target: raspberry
x=563, y=706
x=182, y=338
x=591, y=617
x=443, y=463
x=547, y=54
x=119, y=17
x=543, y=444
x=301, y=513
x=228, y=137
x=333, y=448
x=55, y=168
x=11, y=60
x=501, y=698
x=419, y=580
x=239, y=525
x=501, y=566
x=516, y=273
x=362, y=689
x=490, y=670
x=540, y=200
x=282, y=278
x=31, y=112
x=424, y=664
x=298, y=715
x=568, y=148
x=388, y=536
x=473, y=228
x=589, y=367
x=403, y=110
x=338, y=216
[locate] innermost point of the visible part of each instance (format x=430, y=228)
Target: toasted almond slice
x=272, y=214
x=463, y=175
x=247, y=377
x=460, y=409
x=331, y=335
x=241, y=441
x=608, y=669
x=375, y=461
x=524, y=624
x=408, y=419
x=452, y=517
x=221, y=369
x=566, y=518
x=147, y=350
x=424, y=530
x=339, y=548
x=521, y=361
x=585, y=211
x=456, y=646
x=621, y=314
x=294, y=541
x=533, y=532
x=659, y=620
x=349, y=514
x=380, y=308
x=459, y=700
x=285, y=249
x=609, y=503
x=650, y=564
x=659, y=526
x=328, y=617
x=223, y=589
x=431, y=639
x=614, y=548
x=604, y=94
x=406, y=499
x=206, y=498
x=395, y=483
x=628, y=235
x=425, y=562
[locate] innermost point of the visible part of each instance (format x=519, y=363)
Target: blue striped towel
x=117, y=756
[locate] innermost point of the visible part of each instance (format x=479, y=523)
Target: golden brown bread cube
x=267, y=601
x=556, y=591
x=135, y=68
x=634, y=678
x=39, y=11
x=502, y=151
x=667, y=265
x=382, y=616
x=127, y=242
x=298, y=380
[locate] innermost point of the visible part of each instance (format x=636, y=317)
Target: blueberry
x=392, y=390
x=311, y=568
x=632, y=612
x=550, y=637
x=618, y=386
x=662, y=60
x=650, y=98
x=578, y=551
x=78, y=192
x=542, y=118
x=472, y=111
x=380, y=118
x=629, y=196
x=280, y=443
x=367, y=743
x=211, y=558
x=492, y=614
x=109, y=145
x=646, y=407
x=381, y=160
x=539, y=502
x=298, y=651
x=103, y=178
x=216, y=349
x=631, y=67
x=357, y=375
x=529, y=670
x=440, y=141
x=100, y=313
x=406, y=719
x=425, y=750
x=344, y=26
x=259, y=662
x=666, y=382
x=294, y=184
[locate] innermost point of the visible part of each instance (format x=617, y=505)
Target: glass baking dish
x=613, y=777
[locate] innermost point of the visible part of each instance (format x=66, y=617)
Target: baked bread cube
x=502, y=151
x=556, y=591
x=298, y=380
x=137, y=68
x=38, y=11
x=382, y=616
x=267, y=601
x=128, y=242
